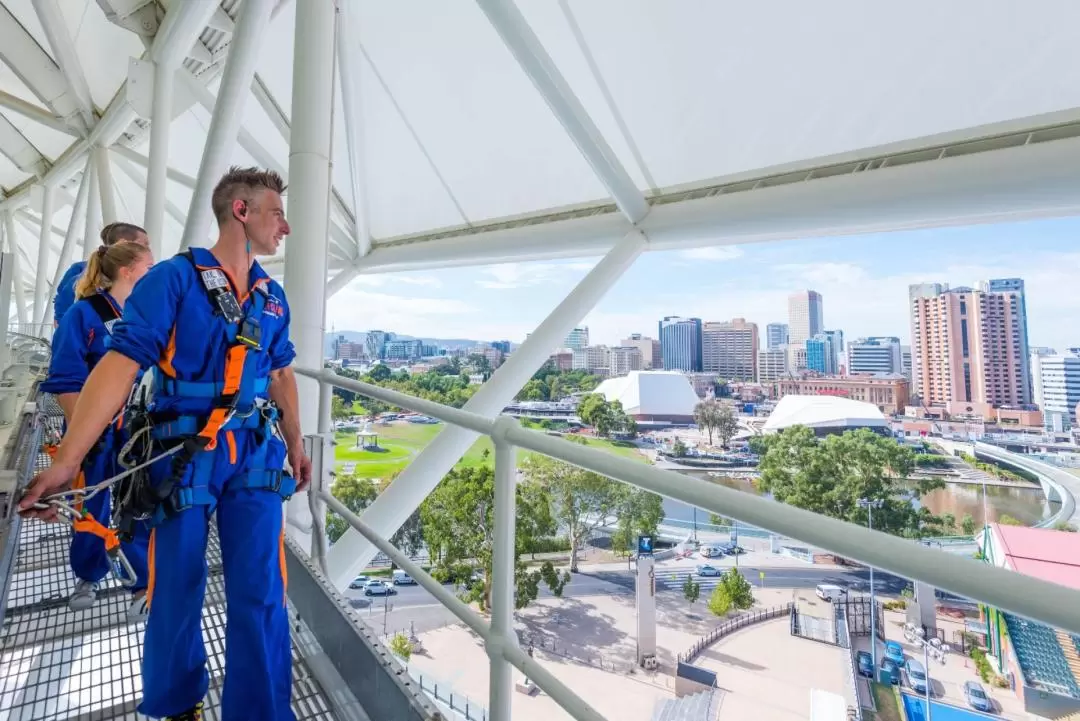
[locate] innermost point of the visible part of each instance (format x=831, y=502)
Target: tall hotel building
x=680, y=344
x=968, y=345
x=805, y=316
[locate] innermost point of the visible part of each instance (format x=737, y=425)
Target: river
x=1027, y=505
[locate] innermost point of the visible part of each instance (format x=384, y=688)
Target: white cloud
x=712, y=253
x=357, y=309
x=396, y=279
x=522, y=275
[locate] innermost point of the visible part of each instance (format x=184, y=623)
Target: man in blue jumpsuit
x=65, y=291
x=225, y=379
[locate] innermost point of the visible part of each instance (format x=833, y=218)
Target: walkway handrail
x=1016, y=593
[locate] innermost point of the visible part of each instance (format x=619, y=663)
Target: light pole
x=870, y=505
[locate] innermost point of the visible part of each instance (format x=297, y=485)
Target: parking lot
x=947, y=679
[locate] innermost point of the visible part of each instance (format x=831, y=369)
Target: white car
x=403, y=579
x=379, y=588
x=359, y=582
x=707, y=570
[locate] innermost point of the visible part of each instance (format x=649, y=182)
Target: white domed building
x=653, y=397
x=825, y=415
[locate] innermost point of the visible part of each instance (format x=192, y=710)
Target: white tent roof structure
x=496, y=131
x=651, y=393
x=823, y=412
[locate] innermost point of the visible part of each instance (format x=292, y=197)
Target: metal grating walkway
x=58, y=664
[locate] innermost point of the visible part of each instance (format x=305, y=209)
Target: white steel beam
x=40, y=287
x=270, y=106
x=77, y=215
x=139, y=159
x=36, y=113
x=522, y=42
x=349, y=76
x=227, y=114
x=33, y=224
x=16, y=251
x=1016, y=183
x=7, y=284
x=93, y=226
x=106, y=188
x=309, y=211
x=35, y=67
x=15, y=147
x=129, y=169
x=386, y=514
x=63, y=48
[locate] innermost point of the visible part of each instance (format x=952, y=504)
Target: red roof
x=1041, y=552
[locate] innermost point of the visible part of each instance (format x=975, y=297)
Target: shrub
x=400, y=646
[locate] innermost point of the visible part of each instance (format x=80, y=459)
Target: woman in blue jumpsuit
x=80, y=341
x=110, y=234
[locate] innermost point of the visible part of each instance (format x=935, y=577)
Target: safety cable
x=91, y=491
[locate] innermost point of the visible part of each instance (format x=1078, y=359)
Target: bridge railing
x=1019, y=594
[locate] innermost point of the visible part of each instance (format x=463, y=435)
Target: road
x=412, y=605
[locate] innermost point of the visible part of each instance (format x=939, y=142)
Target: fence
x=531, y=641
x=747, y=619
x=444, y=694
x=843, y=633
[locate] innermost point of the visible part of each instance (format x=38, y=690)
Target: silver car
x=976, y=697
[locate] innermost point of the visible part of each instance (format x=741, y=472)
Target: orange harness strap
x=234, y=372
x=88, y=524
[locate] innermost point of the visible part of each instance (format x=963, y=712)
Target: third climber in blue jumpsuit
x=214, y=329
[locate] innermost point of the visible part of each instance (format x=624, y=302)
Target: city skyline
x=863, y=281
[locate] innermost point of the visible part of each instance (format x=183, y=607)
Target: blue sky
x=863, y=280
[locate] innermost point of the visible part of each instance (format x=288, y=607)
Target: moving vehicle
x=359, y=582
x=829, y=591
x=916, y=675
x=706, y=570
x=865, y=663
x=976, y=697
x=403, y=579
x=379, y=588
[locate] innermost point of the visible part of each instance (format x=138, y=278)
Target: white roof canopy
x=490, y=131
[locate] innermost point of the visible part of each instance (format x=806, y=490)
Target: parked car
x=403, y=579
x=894, y=652
x=916, y=675
x=976, y=697
x=359, y=582
x=379, y=588
x=865, y=663
x=890, y=671
x=829, y=591
x=706, y=570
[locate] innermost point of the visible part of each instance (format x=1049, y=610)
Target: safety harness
x=236, y=406
x=105, y=310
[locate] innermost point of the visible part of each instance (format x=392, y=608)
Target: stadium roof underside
x=483, y=132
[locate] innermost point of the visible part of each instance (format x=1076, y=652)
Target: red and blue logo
x=274, y=307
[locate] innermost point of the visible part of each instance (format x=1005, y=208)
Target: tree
x=410, y=537
x=832, y=475
x=727, y=424
x=691, y=590
x=1006, y=520
x=719, y=601
x=458, y=521
x=678, y=449
x=706, y=415
x=357, y=494
x=582, y=501
x=639, y=513
x=738, y=589
x=379, y=374
x=338, y=409
x=967, y=525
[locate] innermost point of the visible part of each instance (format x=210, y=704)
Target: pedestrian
x=78, y=344
x=213, y=328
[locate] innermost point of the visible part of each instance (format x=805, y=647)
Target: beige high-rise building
x=966, y=345
x=624, y=359
x=772, y=365
x=806, y=317
x=650, y=350
x=730, y=349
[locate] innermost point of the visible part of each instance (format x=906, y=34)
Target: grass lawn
x=888, y=705
x=401, y=442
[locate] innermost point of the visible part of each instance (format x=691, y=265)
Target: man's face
x=266, y=224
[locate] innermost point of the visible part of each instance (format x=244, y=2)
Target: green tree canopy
x=829, y=476
x=357, y=494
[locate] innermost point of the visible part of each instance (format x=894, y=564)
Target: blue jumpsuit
x=65, y=291
x=170, y=325
x=79, y=343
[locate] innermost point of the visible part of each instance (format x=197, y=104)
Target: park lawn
x=401, y=442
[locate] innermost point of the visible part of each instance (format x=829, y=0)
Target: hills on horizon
x=360, y=336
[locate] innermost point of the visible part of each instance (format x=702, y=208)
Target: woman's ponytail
x=104, y=265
